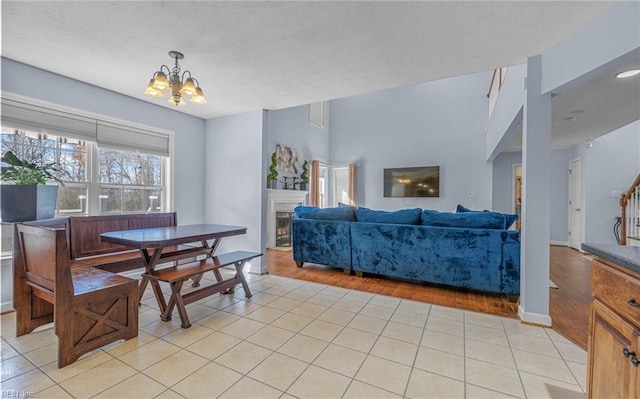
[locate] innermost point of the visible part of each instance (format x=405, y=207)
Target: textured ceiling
x=271, y=55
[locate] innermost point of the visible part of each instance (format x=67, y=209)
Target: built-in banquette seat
x=64, y=274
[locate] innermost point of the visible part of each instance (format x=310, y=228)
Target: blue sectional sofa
x=468, y=249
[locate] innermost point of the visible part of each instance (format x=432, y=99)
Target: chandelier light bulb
x=188, y=88
x=177, y=101
x=152, y=92
x=160, y=82
x=198, y=98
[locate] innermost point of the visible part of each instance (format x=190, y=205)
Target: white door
x=575, y=204
x=340, y=185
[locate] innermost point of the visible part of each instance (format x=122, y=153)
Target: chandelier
x=167, y=80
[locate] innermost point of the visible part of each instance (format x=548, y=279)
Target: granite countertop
x=623, y=255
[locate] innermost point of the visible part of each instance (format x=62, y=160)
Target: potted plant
x=27, y=196
x=272, y=177
x=304, y=177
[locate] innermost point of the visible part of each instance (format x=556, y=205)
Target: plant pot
x=304, y=186
x=21, y=203
x=272, y=184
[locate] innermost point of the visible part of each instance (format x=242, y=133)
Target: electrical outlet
x=471, y=194
x=617, y=193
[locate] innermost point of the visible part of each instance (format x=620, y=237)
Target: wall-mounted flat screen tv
x=422, y=181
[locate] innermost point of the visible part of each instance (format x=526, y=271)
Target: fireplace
x=283, y=228
x=280, y=204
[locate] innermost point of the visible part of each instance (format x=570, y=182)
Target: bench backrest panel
x=43, y=253
x=85, y=231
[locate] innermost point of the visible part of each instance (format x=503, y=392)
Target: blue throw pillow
x=403, y=216
x=470, y=220
x=509, y=218
x=312, y=212
x=461, y=208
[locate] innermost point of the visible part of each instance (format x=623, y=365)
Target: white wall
x=435, y=123
x=611, y=163
x=235, y=183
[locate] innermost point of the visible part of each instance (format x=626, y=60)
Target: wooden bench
x=177, y=275
x=89, y=307
x=87, y=248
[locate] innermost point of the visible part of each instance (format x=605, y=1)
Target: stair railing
x=497, y=79
x=630, y=217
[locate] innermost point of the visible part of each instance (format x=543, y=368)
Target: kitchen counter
x=623, y=255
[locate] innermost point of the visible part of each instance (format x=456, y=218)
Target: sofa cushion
x=509, y=218
x=312, y=212
x=471, y=220
x=403, y=216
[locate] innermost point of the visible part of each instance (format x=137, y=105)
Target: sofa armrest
x=327, y=242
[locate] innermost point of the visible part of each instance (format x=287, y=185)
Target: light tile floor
x=295, y=339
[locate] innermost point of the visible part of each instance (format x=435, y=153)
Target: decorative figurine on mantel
x=290, y=182
x=304, y=177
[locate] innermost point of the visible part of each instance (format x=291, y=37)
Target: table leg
x=205, y=244
x=150, y=262
x=216, y=272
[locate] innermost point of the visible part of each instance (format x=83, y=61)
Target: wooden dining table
x=159, y=245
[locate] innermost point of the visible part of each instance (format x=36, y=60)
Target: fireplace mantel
x=280, y=200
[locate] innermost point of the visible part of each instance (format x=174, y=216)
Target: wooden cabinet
x=614, y=332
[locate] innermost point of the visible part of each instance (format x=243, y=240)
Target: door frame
x=571, y=236
x=514, y=168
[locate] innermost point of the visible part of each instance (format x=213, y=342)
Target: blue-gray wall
x=290, y=127
x=189, y=131
x=235, y=185
x=611, y=164
x=435, y=123
x=189, y=165
x=503, y=189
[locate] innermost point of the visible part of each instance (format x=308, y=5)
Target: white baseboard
x=6, y=306
x=538, y=319
x=560, y=243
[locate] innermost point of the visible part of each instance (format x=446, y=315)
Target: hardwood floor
x=569, y=304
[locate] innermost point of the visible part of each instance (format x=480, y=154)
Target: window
x=127, y=181
x=318, y=114
x=70, y=154
x=322, y=184
x=341, y=185
x=130, y=182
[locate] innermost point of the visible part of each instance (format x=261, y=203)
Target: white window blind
x=38, y=118
x=122, y=137
x=24, y=116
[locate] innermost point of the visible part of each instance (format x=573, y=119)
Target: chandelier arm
x=184, y=73
x=195, y=80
